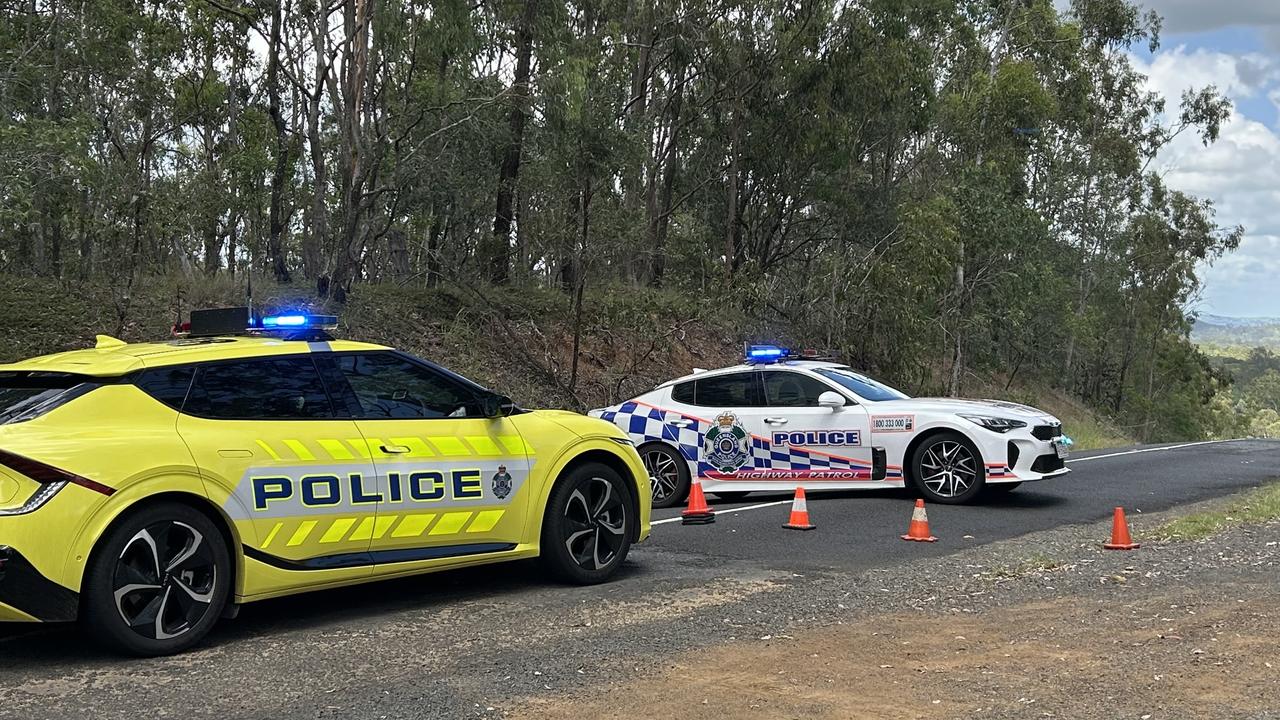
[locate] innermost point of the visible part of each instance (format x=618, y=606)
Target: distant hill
x=1236, y=331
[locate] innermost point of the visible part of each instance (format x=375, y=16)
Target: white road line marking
x=1076, y=460
x=726, y=511
x=1155, y=449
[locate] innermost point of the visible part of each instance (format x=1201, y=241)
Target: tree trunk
x=495, y=255
x=275, y=241
x=660, y=216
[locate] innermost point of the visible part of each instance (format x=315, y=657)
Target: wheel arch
x=601, y=450
x=200, y=504
x=613, y=462
x=908, y=472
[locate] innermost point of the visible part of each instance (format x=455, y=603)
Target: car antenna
x=248, y=275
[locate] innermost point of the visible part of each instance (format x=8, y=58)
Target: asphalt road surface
x=468, y=643
x=859, y=530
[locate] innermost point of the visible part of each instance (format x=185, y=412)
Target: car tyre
x=668, y=474
x=157, y=582
x=946, y=468
x=588, y=525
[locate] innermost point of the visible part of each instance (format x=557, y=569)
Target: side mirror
x=831, y=400
x=495, y=406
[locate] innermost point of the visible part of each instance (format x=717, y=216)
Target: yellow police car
x=150, y=489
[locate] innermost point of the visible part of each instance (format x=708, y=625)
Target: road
x=471, y=643
x=859, y=530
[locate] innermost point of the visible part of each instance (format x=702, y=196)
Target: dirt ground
x=1199, y=651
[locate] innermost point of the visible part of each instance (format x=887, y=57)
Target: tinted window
x=169, y=385
x=865, y=387
x=788, y=389
x=388, y=387
x=268, y=389
x=683, y=393
x=733, y=390
x=26, y=396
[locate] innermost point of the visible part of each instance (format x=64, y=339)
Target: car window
x=169, y=385
x=286, y=388
x=389, y=387
x=865, y=387
x=28, y=395
x=683, y=393
x=789, y=389
x=732, y=390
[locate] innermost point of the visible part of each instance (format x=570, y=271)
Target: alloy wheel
x=165, y=580
x=595, y=524
x=664, y=472
x=948, y=468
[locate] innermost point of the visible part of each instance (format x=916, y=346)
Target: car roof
x=783, y=364
x=110, y=360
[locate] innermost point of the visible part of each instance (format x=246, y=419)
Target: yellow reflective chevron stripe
x=302, y=533
x=450, y=523
x=267, y=448
x=336, y=449
x=272, y=535
x=449, y=446
x=417, y=447
x=484, y=445
x=337, y=530
x=373, y=528
x=485, y=520
x=515, y=445
x=300, y=449
x=413, y=525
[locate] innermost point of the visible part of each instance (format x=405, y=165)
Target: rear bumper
x=28, y=596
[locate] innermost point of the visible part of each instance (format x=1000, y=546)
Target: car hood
x=579, y=424
x=999, y=408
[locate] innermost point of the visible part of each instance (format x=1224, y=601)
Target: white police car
x=782, y=420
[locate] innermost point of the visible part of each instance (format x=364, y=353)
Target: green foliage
x=940, y=191
x=1261, y=505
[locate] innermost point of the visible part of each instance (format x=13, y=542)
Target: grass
x=1257, y=506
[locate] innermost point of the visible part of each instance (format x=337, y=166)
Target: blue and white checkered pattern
x=645, y=423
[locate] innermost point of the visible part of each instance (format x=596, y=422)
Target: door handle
x=776, y=420
x=681, y=423
x=394, y=449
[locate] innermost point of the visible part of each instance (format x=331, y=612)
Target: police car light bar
x=766, y=353
x=298, y=322
x=763, y=354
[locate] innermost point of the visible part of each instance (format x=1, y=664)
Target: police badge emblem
x=501, y=483
x=726, y=446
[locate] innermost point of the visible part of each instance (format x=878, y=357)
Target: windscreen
x=26, y=396
x=865, y=387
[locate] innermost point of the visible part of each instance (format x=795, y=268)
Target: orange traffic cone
x=698, y=512
x=918, y=530
x=1120, y=539
x=799, y=513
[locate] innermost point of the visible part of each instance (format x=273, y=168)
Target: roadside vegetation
x=1261, y=505
x=578, y=198
x=1255, y=384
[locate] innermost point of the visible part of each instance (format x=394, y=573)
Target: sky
x=1234, y=45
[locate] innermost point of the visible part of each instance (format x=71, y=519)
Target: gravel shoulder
x=1048, y=625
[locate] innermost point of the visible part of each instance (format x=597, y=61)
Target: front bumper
x=28, y=596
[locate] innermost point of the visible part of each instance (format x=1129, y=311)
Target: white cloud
x=1240, y=173
x=1200, y=15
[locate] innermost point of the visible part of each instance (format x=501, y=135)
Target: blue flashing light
x=765, y=353
x=298, y=322
x=273, y=321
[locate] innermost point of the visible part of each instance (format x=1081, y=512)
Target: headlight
x=997, y=424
